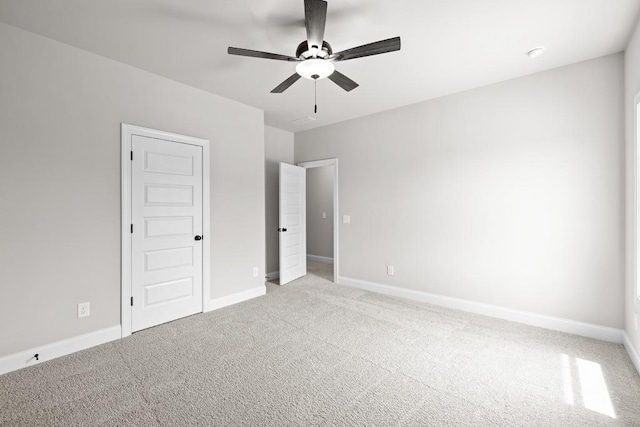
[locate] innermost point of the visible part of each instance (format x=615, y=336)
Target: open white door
x=293, y=223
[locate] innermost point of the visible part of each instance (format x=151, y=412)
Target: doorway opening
x=322, y=215
x=292, y=221
x=319, y=212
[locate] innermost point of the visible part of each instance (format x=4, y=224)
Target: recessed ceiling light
x=535, y=52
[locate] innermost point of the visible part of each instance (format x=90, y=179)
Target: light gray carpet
x=315, y=353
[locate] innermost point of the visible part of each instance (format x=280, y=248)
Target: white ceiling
x=447, y=45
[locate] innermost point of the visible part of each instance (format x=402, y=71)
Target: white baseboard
x=273, y=275
x=318, y=258
x=20, y=360
x=590, y=330
x=217, y=303
x=633, y=353
x=57, y=349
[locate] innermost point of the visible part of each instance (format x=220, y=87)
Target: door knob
x=198, y=237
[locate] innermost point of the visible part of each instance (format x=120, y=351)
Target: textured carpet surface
x=315, y=353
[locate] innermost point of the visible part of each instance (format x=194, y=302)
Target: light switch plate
x=346, y=219
x=324, y=215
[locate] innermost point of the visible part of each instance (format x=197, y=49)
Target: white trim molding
x=631, y=350
x=273, y=275
x=20, y=360
x=574, y=327
x=318, y=258
x=127, y=132
x=236, y=298
x=635, y=201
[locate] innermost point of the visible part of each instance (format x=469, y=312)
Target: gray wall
x=278, y=147
x=320, y=199
x=510, y=194
x=60, y=115
x=632, y=87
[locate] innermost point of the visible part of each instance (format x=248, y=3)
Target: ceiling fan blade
x=315, y=18
x=343, y=81
x=285, y=84
x=375, y=48
x=259, y=54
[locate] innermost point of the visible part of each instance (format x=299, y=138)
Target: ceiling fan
x=315, y=57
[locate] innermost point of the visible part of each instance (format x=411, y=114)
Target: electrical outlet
x=346, y=219
x=390, y=270
x=84, y=309
x=255, y=271
x=324, y=215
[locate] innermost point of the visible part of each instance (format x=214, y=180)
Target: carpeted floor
x=315, y=353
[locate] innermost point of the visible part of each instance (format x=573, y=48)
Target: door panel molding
x=292, y=218
x=127, y=134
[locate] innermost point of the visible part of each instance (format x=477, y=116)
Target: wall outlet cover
x=346, y=219
x=84, y=309
x=324, y=215
x=255, y=271
x=390, y=270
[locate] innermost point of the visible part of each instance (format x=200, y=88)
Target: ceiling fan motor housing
x=303, y=51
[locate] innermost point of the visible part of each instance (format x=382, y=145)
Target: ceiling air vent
x=303, y=120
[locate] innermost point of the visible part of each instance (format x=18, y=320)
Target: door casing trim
x=127, y=132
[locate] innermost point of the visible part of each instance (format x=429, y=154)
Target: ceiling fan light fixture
x=313, y=69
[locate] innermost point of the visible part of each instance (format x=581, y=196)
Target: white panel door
x=293, y=222
x=166, y=240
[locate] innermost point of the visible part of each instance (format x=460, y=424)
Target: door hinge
x=131, y=228
x=132, y=155
x=131, y=301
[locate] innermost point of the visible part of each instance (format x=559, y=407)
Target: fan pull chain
x=315, y=96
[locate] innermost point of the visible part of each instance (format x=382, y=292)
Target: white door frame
x=128, y=131
x=317, y=164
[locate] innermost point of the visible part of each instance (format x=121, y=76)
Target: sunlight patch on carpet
x=595, y=394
